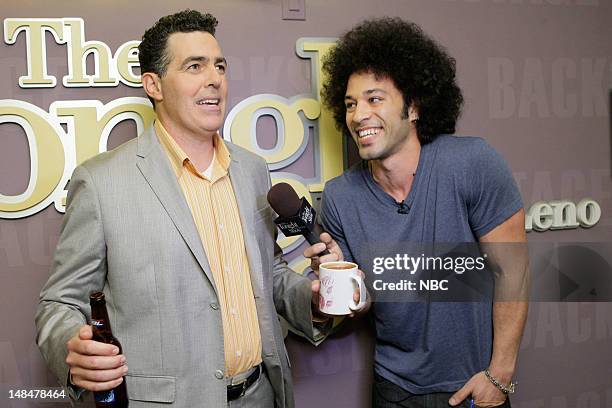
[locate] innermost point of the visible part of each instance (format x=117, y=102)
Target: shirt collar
x=180, y=161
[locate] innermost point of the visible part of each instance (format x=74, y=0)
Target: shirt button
x=214, y=306
x=234, y=311
x=219, y=374
x=220, y=226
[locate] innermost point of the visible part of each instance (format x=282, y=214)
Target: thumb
x=85, y=332
x=460, y=395
x=325, y=238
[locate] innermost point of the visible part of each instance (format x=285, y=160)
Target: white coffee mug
x=338, y=282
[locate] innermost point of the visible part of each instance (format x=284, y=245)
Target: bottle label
x=105, y=396
x=97, y=323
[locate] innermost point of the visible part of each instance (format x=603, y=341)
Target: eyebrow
x=200, y=58
x=367, y=92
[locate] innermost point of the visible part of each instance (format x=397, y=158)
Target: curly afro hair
x=419, y=67
x=152, y=52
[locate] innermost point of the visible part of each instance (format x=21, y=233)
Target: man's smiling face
x=375, y=115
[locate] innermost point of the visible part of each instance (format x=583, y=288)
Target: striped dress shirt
x=211, y=198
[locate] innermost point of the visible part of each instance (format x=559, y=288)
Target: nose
x=360, y=113
x=214, y=78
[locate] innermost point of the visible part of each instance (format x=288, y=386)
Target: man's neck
x=395, y=173
x=200, y=149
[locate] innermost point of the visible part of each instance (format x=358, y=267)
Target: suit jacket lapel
x=157, y=170
x=245, y=200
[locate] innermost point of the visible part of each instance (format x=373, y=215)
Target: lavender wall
x=537, y=76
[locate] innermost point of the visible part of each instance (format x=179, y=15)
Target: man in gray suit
x=175, y=228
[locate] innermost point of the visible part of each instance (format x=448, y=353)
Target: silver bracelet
x=506, y=390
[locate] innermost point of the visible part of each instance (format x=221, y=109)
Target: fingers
x=93, y=365
x=460, y=395
x=481, y=390
x=332, y=246
x=326, y=238
x=314, y=250
x=331, y=257
x=82, y=344
x=484, y=393
x=360, y=310
x=315, y=260
x=89, y=362
x=100, y=377
x=96, y=385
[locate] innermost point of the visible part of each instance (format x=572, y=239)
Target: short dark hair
x=419, y=67
x=152, y=53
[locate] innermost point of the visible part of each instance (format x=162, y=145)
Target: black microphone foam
x=284, y=200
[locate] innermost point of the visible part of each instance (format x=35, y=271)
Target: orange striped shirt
x=211, y=198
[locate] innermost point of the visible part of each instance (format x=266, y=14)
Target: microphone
x=403, y=208
x=295, y=216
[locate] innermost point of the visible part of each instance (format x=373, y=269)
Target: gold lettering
x=126, y=58
x=34, y=29
x=91, y=123
x=78, y=50
x=330, y=138
x=47, y=158
x=241, y=127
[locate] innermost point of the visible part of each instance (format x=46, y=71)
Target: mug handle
x=362, y=293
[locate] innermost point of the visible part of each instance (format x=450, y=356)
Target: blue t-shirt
x=462, y=190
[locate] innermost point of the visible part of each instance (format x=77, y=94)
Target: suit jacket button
x=219, y=374
x=214, y=306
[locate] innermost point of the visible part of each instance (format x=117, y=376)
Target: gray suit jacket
x=128, y=231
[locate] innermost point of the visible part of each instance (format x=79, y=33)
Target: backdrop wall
x=536, y=76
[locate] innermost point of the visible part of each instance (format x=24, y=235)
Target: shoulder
x=112, y=160
x=248, y=167
x=245, y=157
x=468, y=153
x=462, y=148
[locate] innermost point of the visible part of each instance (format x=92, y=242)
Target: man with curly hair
x=393, y=90
x=175, y=228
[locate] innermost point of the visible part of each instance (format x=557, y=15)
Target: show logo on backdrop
x=72, y=131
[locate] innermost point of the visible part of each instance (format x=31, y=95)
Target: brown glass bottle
x=100, y=325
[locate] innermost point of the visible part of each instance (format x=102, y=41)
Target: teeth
x=208, y=102
x=368, y=132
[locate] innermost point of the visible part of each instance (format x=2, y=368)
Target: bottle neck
x=99, y=315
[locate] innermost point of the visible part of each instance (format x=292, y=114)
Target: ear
x=151, y=83
x=413, y=113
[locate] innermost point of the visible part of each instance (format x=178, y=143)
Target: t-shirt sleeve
x=492, y=193
x=331, y=223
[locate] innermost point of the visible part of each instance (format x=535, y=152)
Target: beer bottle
x=100, y=325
